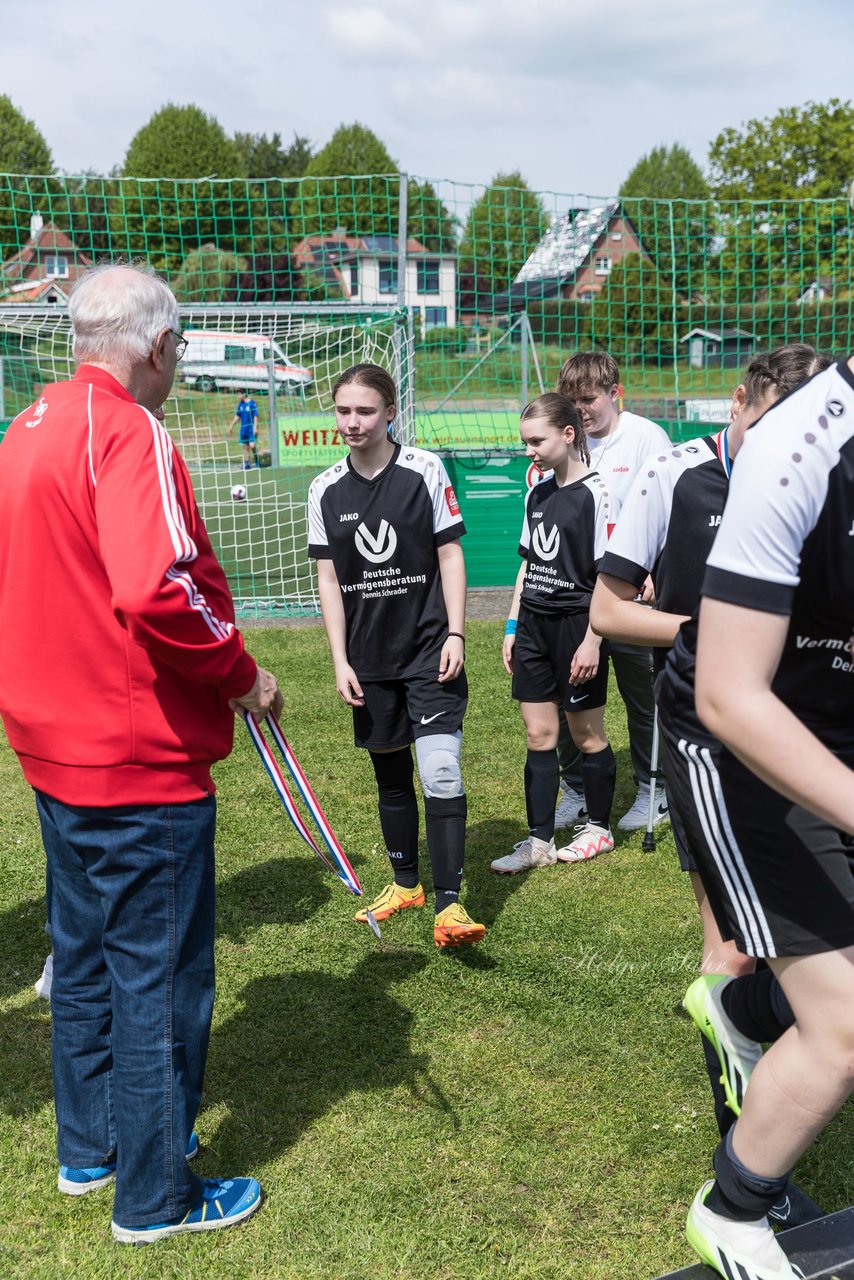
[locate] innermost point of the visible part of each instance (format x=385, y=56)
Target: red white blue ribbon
x=337, y=859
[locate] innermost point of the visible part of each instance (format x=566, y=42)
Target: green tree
x=633, y=315
x=662, y=196
x=265, y=157
x=206, y=274
x=22, y=147
x=164, y=215
x=428, y=220
x=797, y=153
x=182, y=142
x=666, y=173
x=782, y=182
x=24, y=152
x=503, y=228
x=352, y=183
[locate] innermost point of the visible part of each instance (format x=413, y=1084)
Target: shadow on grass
x=26, y=1081
x=23, y=945
x=303, y=1041
x=487, y=890
x=278, y=891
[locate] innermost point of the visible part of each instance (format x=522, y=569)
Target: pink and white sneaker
x=587, y=841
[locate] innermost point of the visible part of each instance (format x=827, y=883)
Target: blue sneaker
x=224, y=1202
x=79, y=1182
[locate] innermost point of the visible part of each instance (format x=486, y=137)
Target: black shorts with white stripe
x=779, y=880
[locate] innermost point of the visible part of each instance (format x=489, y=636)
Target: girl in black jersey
x=384, y=526
x=555, y=659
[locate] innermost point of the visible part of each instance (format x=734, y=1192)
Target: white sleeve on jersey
x=446, y=509
x=525, y=535
x=601, y=522
x=316, y=527
x=776, y=495
x=641, y=527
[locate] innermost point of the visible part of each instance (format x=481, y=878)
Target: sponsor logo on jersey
x=38, y=413
x=451, y=500
x=348, y=515
x=616, y=470
x=714, y=521
x=546, y=544
x=376, y=549
x=536, y=515
x=835, y=408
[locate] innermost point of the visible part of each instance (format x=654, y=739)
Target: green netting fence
x=482, y=291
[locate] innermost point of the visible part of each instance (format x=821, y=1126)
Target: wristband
x=457, y=635
x=510, y=629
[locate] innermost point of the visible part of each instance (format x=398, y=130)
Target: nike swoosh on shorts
x=430, y=719
x=581, y=699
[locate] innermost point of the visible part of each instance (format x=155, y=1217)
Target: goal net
x=287, y=358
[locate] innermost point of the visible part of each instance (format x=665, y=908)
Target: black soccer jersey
x=564, y=534
x=668, y=523
x=786, y=546
x=381, y=536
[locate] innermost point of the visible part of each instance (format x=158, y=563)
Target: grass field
x=534, y=1107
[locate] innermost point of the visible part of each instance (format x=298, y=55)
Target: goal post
x=288, y=357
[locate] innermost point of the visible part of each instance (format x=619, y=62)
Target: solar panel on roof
x=567, y=243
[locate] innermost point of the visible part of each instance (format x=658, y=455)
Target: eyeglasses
x=180, y=345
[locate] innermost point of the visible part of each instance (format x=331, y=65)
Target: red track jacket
x=118, y=650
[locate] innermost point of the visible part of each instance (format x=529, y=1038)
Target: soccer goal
x=287, y=358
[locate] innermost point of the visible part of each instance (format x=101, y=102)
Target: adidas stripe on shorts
x=779, y=880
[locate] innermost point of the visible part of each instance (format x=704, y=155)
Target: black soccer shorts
x=398, y=711
x=779, y=880
x=542, y=660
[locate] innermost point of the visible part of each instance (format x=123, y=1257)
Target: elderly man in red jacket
x=120, y=673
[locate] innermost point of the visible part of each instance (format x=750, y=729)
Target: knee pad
x=438, y=757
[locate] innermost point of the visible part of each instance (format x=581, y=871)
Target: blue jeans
x=132, y=916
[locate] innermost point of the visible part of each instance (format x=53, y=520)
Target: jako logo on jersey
x=376, y=549
x=38, y=413
x=546, y=545
x=451, y=500
x=349, y=515
x=714, y=521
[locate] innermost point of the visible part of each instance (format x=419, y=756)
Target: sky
x=571, y=93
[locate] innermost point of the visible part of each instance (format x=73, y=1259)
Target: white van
x=238, y=361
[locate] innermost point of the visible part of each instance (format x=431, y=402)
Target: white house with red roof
x=365, y=269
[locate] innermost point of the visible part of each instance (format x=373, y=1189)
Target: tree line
x=739, y=232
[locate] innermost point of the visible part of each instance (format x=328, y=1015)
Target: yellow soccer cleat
x=454, y=925
x=393, y=898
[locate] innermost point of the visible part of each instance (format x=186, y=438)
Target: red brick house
x=45, y=268
x=575, y=256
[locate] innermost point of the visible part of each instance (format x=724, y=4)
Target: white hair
x=117, y=312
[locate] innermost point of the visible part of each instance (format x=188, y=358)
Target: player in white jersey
x=774, y=684
x=618, y=442
x=385, y=528
x=556, y=661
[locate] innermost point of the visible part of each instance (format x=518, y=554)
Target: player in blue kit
x=557, y=663
x=385, y=528
x=246, y=414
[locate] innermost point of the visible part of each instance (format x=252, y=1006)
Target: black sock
x=542, y=779
x=446, y=842
x=398, y=812
x=723, y=1115
x=599, y=771
x=756, y=1004
x=739, y=1193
